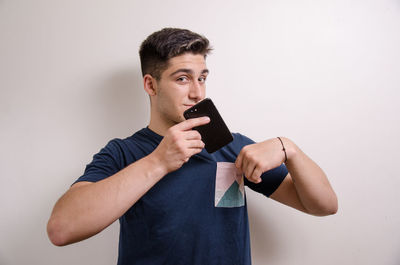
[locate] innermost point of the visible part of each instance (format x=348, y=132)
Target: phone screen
x=214, y=134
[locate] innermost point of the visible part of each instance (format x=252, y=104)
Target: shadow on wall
x=101, y=249
x=115, y=105
x=123, y=105
x=265, y=242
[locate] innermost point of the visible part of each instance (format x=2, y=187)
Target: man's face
x=181, y=86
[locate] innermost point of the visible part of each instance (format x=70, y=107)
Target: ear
x=150, y=85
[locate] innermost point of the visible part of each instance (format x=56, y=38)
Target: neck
x=159, y=125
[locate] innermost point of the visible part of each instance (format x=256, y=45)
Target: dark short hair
x=167, y=43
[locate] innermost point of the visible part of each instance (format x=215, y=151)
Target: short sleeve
x=105, y=163
x=270, y=179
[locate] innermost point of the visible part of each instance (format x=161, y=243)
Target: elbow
x=330, y=210
x=333, y=206
x=325, y=209
x=56, y=232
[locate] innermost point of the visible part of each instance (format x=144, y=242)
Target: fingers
x=242, y=159
x=248, y=165
x=180, y=143
x=251, y=171
x=190, y=123
x=193, y=148
x=256, y=175
x=193, y=151
x=238, y=162
x=192, y=135
x=195, y=144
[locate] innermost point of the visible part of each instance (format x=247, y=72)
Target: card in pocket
x=229, y=186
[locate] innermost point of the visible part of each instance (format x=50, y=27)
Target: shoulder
x=241, y=139
x=123, y=151
x=130, y=143
x=233, y=149
x=115, y=147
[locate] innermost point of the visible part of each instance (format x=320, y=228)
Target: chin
x=181, y=118
x=178, y=118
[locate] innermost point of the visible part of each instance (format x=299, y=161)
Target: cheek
x=171, y=102
x=203, y=91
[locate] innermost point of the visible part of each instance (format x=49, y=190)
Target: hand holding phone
x=215, y=134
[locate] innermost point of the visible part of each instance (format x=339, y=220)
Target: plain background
x=324, y=73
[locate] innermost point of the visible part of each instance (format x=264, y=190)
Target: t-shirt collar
x=152, y=134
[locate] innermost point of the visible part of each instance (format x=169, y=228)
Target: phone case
x=214, y=134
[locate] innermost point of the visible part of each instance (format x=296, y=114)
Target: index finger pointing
x=190, y=123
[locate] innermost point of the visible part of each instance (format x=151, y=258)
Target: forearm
x=311, y=183
x=85, y=210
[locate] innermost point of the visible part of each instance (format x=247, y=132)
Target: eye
x=182, y=79
x=202, y=79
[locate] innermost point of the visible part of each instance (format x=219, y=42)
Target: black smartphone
x=214, y=134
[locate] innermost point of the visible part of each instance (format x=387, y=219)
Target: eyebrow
x=188, y=71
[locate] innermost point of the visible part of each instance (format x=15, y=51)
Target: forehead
x=194, y=62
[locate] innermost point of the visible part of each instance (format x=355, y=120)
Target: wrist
x=156, y=165
x=290, y=148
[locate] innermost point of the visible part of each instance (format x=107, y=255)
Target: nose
x=196, y=91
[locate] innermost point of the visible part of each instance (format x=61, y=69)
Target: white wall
x=324, y=73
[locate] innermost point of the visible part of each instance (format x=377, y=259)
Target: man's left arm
x=305, y=188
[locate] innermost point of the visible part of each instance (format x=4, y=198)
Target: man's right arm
x=87, y=208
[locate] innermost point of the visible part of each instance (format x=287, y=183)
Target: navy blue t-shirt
x=194, y=215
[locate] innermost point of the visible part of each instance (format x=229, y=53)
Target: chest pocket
x=229, y=186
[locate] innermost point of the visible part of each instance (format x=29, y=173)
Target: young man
x=176, y=203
